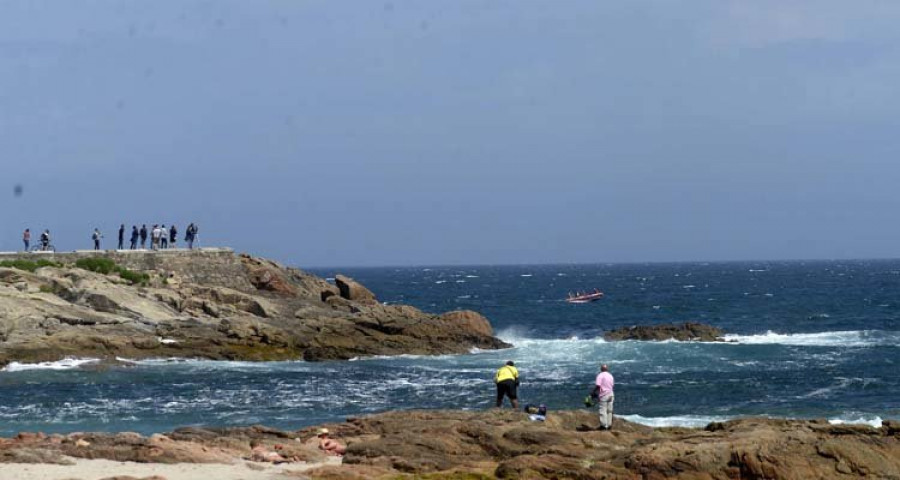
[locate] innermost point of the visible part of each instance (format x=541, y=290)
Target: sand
x=97, y=469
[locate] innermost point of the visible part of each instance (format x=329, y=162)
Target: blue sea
x=808, y=340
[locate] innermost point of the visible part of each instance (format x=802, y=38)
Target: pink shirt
x=605, y=382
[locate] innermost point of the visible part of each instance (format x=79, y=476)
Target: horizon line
x=632, y=262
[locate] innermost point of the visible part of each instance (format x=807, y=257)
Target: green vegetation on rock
x=28, y=265
x=107, y=266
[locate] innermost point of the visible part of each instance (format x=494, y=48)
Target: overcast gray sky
x=326, y=133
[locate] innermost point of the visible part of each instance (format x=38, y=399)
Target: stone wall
x=207, y=266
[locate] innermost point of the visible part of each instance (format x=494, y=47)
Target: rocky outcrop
x=254, y=309
x=505, y=444
x=352, y=290
x=693, y=332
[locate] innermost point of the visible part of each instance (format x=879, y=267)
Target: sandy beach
x=97, y=469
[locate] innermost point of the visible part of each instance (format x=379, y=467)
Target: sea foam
x=67, y=363
x=851, y=338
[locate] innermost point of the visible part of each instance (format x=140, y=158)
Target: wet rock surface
x=693, y=332
x=505, y=444
x=216, y=306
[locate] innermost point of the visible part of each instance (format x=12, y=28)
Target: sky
x=368, y=133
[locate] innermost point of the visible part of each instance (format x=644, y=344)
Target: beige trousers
x=606, y=410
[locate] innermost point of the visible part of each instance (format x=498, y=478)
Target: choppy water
x=811, y=340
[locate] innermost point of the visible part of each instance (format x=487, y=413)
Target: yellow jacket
x=506, y=372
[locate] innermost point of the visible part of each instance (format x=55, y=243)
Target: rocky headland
x=684, y=332
x=496, y=444
x=211, y=304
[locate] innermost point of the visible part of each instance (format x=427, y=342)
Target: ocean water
x=810, y=340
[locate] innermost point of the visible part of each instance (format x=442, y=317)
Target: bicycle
x=41, y=248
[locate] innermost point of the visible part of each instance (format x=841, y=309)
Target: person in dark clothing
x=96, y=236
x=173, y=235
x=134, y=236
x=143, y=236
x=190, y=234
x=121, y=237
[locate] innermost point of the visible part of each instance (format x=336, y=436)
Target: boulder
x=470, y=321
x=353, y=290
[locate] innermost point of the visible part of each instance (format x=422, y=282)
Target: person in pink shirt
x=604, y=392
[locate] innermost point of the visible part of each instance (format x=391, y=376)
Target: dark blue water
x=816, y=339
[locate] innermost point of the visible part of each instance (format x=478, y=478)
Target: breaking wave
x=699, y=421
x=67, y=363
x=850, y=338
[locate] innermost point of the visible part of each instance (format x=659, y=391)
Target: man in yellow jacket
x=507, y=380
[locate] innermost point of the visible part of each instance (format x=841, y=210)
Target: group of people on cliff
x=507, y=381
x=160, y=237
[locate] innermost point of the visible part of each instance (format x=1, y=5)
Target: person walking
x=121, y=237
x=96, y=236
x=603, y=390
x=134, y=237
x=163, y=237
x=26, y=238
x=507, y=380
x=173, y=235
x=143, y=236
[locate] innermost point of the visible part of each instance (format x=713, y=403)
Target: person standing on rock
x=190, y=235
x=603, y=390
x=26, y=238
x=96, y=237
x=143, y=236
x=121, y=237
x=173, y=235
x=507, y=380
x=163, y=237
x=154, y=237
x=134, y=236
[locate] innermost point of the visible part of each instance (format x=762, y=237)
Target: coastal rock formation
x=215, y=305
x=352, y=290
x=693, y=332
x=505, y=444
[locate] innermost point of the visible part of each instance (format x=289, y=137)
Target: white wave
x=872, y=421
x=471, y=276
x=518, y=339
x=850, y=338
x=67, y=363
x=526, y=275
x=696, y=421
x=440, y=282
x=693, y=421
